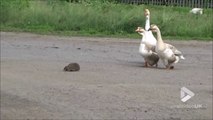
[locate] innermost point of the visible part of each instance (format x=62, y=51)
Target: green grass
x=102, y=19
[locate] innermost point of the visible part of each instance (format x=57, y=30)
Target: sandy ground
x=112, y=84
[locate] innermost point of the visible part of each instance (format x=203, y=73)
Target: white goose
x=146, y=50
x=197, y=11
x=147, y=43
x=167, y=53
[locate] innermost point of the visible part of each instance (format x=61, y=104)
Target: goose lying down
x=197, y=11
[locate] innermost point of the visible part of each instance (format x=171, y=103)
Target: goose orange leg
x=168, y=67
x=156, y=65
x=145, y=64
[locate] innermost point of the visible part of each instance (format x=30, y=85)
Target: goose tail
x=177, y=59
x=181, y=57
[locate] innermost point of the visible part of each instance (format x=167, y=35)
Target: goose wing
x=174, y=50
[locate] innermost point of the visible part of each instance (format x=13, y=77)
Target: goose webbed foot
x=169, y=67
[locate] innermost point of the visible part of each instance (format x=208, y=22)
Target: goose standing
x=167, y=53
x=148, y=51
x=148, y=42
x=149, y=37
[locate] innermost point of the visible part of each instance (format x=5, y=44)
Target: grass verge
x=102, y=19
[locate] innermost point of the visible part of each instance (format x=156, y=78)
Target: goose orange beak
x=137, y=30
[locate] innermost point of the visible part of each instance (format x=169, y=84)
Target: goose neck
x=160, y=42
x=147, y=25
x=159, y=35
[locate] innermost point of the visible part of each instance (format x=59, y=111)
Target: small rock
x=72, y=67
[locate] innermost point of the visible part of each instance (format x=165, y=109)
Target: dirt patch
x=112, y=83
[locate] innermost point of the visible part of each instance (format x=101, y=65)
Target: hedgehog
x=72, y=67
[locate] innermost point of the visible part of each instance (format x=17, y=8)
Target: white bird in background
x=197, y=11
x=164, y=51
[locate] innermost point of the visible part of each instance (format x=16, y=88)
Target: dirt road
x=111, y=84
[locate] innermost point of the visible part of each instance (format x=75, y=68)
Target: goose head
x=146, y=13
x=154, y=28
x=139, y=29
